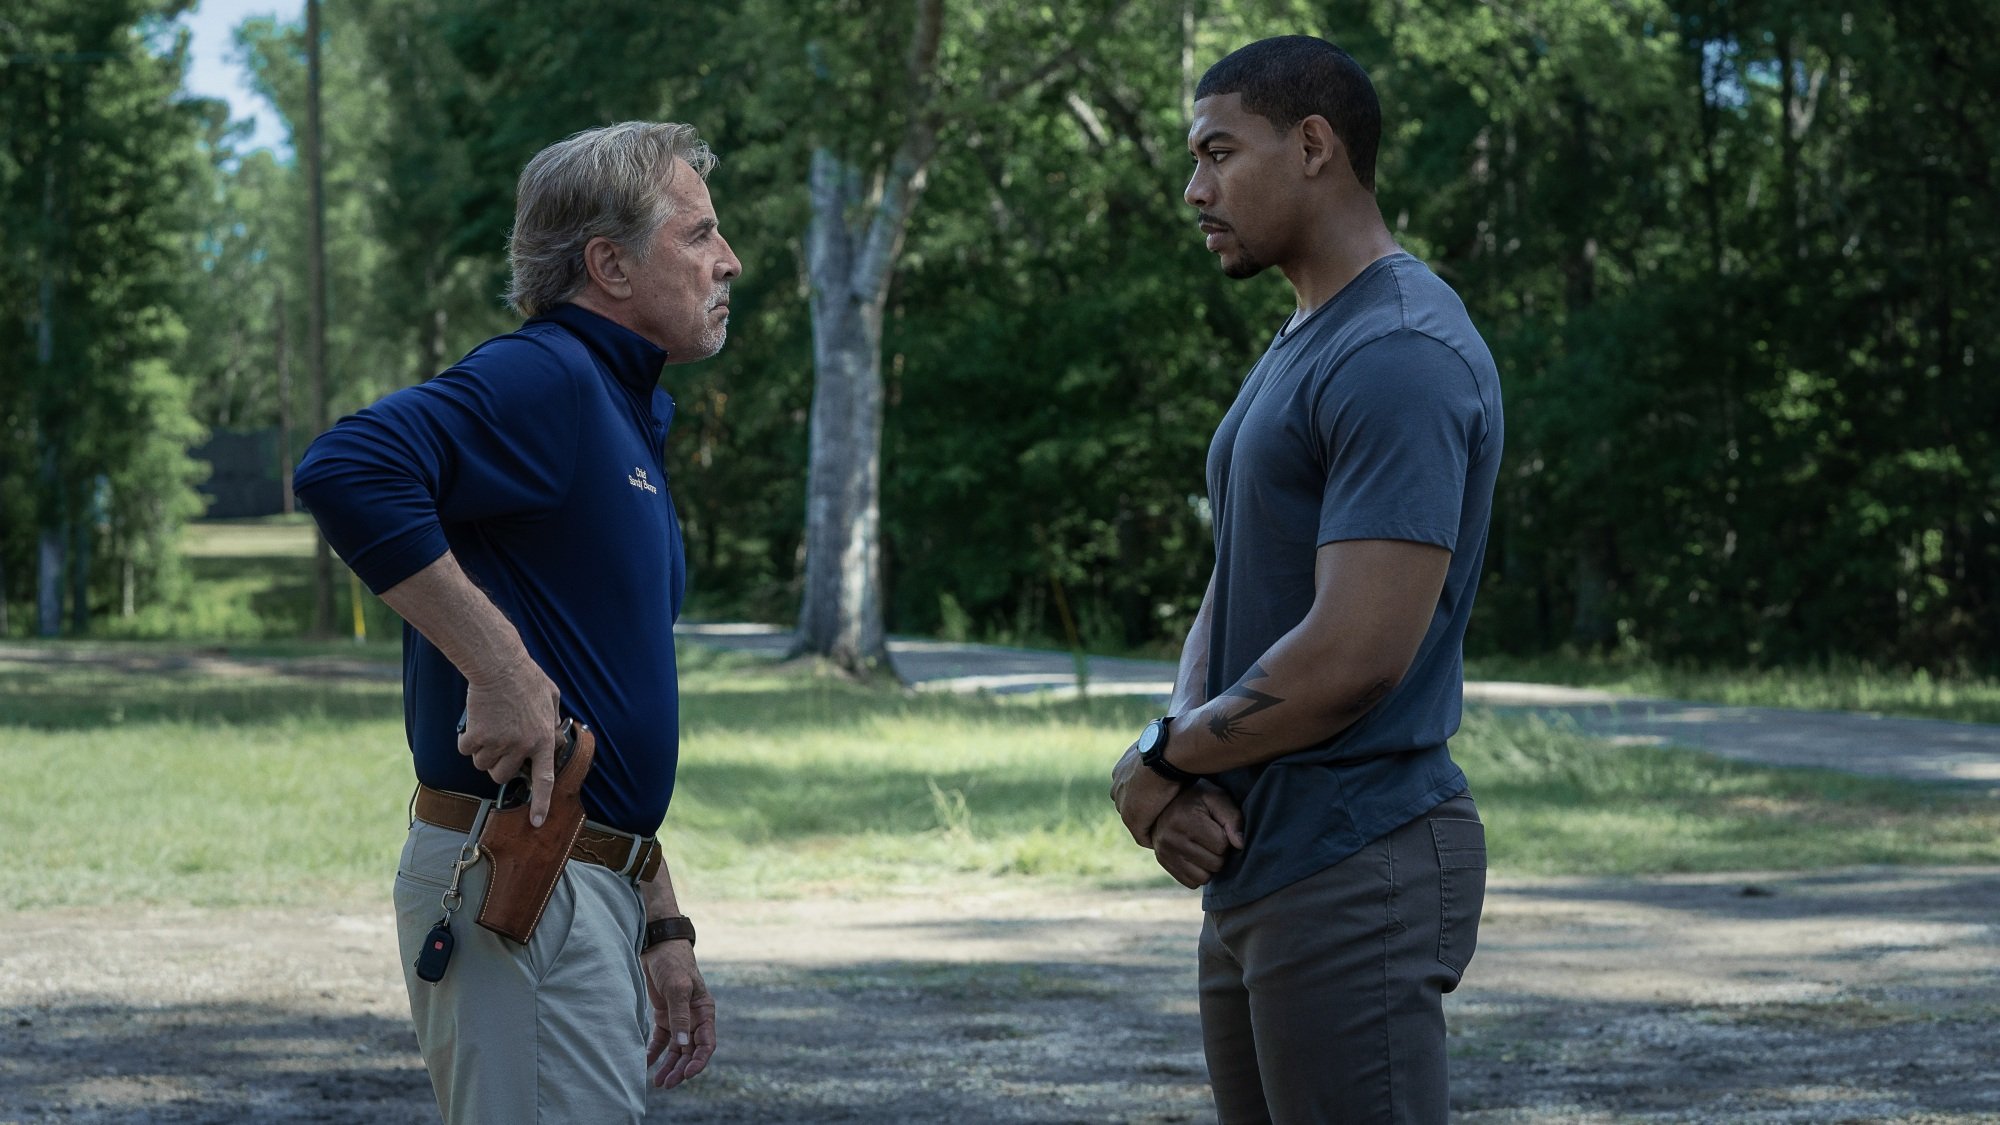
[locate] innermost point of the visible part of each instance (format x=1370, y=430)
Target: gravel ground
x=1854, y=996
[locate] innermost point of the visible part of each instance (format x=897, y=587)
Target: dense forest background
x=1738, y=262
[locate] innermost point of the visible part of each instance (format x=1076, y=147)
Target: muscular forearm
x=1374, y=604
x=1191, y=679
x=458, y=617
x=1304, y=691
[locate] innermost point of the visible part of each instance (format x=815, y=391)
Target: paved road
x=1913, y=749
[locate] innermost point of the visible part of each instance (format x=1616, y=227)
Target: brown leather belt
x=635, y=857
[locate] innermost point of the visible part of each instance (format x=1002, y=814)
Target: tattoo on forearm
x=1225, y=728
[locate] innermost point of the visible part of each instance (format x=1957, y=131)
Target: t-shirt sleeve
x=1399, y=421
x=493, y=438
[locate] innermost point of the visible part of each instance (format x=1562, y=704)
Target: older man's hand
x=511, y=722
x=683, y=1014
x=1196, y=832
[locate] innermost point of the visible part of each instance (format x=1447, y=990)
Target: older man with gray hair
x=514, y=510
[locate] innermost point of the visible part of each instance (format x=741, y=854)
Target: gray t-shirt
x=1376, y=418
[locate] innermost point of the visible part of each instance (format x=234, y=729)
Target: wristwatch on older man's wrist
x=671, y=928
x=1153, y=753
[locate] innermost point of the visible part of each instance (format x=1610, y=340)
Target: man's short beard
x=1243, y=267
x=712, y=340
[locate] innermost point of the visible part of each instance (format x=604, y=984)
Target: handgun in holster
x=525, y=862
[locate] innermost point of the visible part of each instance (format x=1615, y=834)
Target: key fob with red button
x=436, y=953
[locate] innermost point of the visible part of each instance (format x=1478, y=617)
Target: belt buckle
x=632, y=858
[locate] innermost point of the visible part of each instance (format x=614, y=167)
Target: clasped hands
x=1190, y=828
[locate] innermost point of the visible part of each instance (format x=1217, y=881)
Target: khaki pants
x=549, y=1033
x=1322, y=1002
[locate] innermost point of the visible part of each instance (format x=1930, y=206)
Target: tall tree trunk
x=1591, y=624
x=49, y=555
x=851, y=248
x=1788, y=145
x=83, y=528
x=433, y=329
x=859, y=217
x=48, y=584
x=284, y=355
x=316, y=303
x=840, y=616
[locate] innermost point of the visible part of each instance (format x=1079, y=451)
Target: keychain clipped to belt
x=436, y=953
x=435, y=956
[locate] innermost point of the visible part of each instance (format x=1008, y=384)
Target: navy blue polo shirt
x=537, y=460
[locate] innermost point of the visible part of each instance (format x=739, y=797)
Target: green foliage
x=1729, y=259
x=251, y=580
x=100, y=167
x=1705, y=250
x=1734, y=260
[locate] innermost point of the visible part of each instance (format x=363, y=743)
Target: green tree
x=1731, y=256
x=1728, y=256
x=102, y=165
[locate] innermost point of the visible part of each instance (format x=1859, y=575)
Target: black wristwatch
x=1153, y=753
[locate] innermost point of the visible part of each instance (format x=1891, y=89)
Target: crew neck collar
x=1288, y=332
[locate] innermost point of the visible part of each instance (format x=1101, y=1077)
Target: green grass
x=1557, y=802
x=136, y=772
x=1830, y=687
x=122, y=784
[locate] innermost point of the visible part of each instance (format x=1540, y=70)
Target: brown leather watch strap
x=671, y=928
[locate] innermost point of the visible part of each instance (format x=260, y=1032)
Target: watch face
x=1152, y=737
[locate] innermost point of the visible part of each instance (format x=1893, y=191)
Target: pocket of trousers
x=429, y=854
x=1461, y=854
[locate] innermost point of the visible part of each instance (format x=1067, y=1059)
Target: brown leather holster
x=525, y=861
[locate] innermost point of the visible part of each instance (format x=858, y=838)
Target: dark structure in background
x=244, y=473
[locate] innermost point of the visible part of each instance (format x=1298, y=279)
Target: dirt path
x=1856, y=996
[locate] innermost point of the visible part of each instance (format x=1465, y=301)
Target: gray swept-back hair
x=600, y=183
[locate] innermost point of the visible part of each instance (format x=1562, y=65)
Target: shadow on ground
x=1857, y=996
x=217, y=1062
x=1862, y=995
x=869, y=1041
x=896, y=1041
